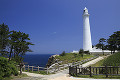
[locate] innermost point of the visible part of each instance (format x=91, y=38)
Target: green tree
x=87, y=52
x=81, y=51
x=63, y=53
x=102, y=41
x=117, y=33
x=19, y=45
x=114, y=42
x=4, y=37
x=101, y=44
x=14, y=44
x=98, y=46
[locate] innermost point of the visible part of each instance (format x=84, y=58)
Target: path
x=93, y=61
x=61, y=75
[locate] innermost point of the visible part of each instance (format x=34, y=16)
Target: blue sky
x=56, y=25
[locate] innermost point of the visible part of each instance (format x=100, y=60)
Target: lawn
x=99, y=63
x=72, y=57
x=99, y=76
x=39, y=72
x=15, y=77
x=111, y=60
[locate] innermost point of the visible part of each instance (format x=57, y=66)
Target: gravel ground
x=30, y=78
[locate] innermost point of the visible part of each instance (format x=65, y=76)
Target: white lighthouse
x=87, y=43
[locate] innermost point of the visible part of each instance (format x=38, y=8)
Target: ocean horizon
x=36, y=59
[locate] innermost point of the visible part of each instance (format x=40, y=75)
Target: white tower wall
x=87, y=43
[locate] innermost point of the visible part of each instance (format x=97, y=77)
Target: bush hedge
x=7, y=68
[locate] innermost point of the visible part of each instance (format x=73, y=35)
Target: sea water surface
x=37, y=59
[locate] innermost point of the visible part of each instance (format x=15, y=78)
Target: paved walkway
x=93, y=61
x=61, y=75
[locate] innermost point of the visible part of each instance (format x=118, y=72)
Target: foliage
x=75, y=54
x=15, y=77
x=114, y=42
x=101, y=41
x=4, y=35
x=113, y=60
x=13, y=68
x=86, y=52
x=63, y=53
x=19, y=45
x=81, y=51
x=98, y=46
x=40, y=72
x=72, y=57
x=101, y=44
x=7, y=68
x=13, y=44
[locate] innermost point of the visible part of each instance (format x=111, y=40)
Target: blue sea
x=37, y=59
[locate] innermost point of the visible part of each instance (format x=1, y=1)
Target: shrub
x=81, y=51
x=4, y=67
x=86, y=52
x=7, y=68
x=13, y=69
x=75, y=55
x=63, y=53
x=42, y=72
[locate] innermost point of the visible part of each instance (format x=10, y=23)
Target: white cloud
x=54, y=32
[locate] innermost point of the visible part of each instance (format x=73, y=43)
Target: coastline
x=37, y=59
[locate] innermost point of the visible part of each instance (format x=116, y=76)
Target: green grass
x=14, y=77
x=72, y=57
x=40, y=72
x=112, y=60
x=99, y=76
x=99, y=63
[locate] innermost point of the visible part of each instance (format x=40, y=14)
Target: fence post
x=76, y=71
x=32, y=68
x=58, y=67
x=106, y=71
x=55, y=68
x=24, y=67
x=117, y=69
x=20, y=69
x=68, y=64
x=63, y=67
x=38, y=68
x=47, y=69
x=28, y=68
x=69, y=69
x=90, y=71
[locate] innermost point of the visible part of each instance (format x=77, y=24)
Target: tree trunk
x=111, y=51
x=103, y=52
x=20, y=69
x=10, y=53
x=14, y=54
